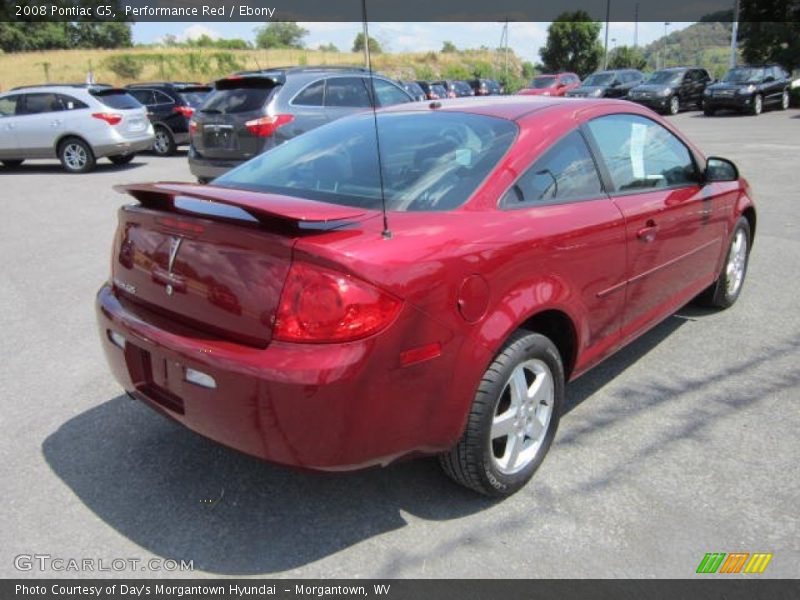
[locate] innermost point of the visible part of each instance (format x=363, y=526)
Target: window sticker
x=638, y=135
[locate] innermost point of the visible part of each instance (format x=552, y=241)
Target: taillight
x=110, y=118
x=192, y=127
x=186, y=111
x=321, y=305
x=266, y=126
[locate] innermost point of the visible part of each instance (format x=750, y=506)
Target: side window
x=346, y=91
x=565, y=172
x=388, y=93
x=640, y=154
x=312, y=95
x=70, y=103
x=41, y=103
x=8, y=105
x=162, y=98
x=143, y=96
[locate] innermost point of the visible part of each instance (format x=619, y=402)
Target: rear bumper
x=125, y=146
x=323, y=406
x=209, y=168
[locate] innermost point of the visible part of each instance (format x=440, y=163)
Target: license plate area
x=220, y=137
x=151, y=376
x=136, y=124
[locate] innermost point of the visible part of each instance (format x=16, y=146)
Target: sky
x=524, y=38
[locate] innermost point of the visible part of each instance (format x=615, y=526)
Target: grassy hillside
x=146, y=64
x=702, y=44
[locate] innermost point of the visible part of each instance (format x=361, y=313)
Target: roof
x=62, y=85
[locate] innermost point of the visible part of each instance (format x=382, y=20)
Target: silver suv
x=75, y=123
x=252, y=111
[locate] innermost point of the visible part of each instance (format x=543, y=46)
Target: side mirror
x=720, y=169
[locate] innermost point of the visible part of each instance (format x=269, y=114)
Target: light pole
x=636, y=26
x=734, y=33
x=605, y=46
x=664, y=51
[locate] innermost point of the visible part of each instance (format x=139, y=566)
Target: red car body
x=462, y=281
x=561, y=84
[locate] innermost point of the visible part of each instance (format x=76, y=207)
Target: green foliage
x=329, y=47
x=572, y=44
x=456, y=71
x=482, y=70
x=227, y=62
x=770, y=41
x=374, y=45
x=424, y=72
x=512, y=82
x=528, y=70
x=125, y=66
x=303, y=60
x=449, y=47
x=280, y=35
x=626, y=57
x=705, y=44
x=42, y=35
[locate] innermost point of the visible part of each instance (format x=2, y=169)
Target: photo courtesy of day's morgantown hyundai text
x=279, y=311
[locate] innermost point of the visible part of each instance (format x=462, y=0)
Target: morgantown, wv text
x=177, y=591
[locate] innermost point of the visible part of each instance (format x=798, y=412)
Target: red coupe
x=557, y=84
x=281, y=312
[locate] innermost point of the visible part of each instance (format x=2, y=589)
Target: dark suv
x=669, y=90
x=456, y=89
x=170, y=105
x=252, y=111
x=749, y=89
x=614, y=83
x=485, y=87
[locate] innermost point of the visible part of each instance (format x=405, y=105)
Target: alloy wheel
x=737, y=261
x=785, y=100
x=522, y=416
x=757, y=104
x=674, y=105
x=75, y=156
x=161, y=144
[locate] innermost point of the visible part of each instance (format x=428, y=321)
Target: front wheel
x=674, y=106
x=513, y=419
x=164, y=144
x=726, y=289
x=709, y=112
x=758, y=105
x=784, y=100
x=121, y=159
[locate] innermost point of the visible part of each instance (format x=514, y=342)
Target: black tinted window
x=119, y=99
x=430, y=161
x=70, y=103
x=39, y=103
x=162, y=98
x=565, y=172
x=388, y=93
x=194, y=97
x=312, y=95
x=346, y=91
x=641, y=154
x=143, y=96
x=237, y=100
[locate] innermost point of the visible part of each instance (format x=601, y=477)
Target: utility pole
x=366, y=44
x=664, y=51
x=636, y=26
x=605, y=46
x=504, y=45
x=734, y=33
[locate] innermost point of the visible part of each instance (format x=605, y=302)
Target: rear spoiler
x=262, y=206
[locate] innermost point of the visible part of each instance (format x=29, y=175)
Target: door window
x=33, y=104
x=566, y=172
x=346, y=91
x=640, y=154
x=70, y=103
x=312, y=95
x=8, y=105
x=162, y=98
x=388, y=93
x=144, y=96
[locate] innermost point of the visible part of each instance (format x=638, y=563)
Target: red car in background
x=281, y=312
x=551, y=85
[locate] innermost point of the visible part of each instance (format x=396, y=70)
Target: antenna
x=385, y=233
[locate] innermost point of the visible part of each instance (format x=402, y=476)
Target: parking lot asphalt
x=685, y=442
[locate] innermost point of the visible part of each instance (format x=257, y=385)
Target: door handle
x=648, y=233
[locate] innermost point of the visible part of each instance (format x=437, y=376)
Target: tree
x=770, y=32
x=280, y=35
x=449, y=47
x=626, y=57
x=374, y=45
x=329, y=47
x=572, y=44
x=112, y=34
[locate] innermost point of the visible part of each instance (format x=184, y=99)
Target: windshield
x=431, y=161
x=598, y=79
x=540, y=83
x=743, y=76
x=665, y=77
x=195, y=97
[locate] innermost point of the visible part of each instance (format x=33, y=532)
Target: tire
x=709, y=112
x=121, y=159
x=76, y=156
x=784, y=100
x=724, y=292
x=203, y=180
x=164, y=144
x=12, y=164
x=757, y=107
x=674, y=106
x=483, y=460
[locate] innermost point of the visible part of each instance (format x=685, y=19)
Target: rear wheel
x=726, y=289
x=164, y=144
x=709, y=112
x=784, y=100
x=121, y=159
x=674, y=106
x=11, y=164
x=513, y=419
x=76, y=156
x=757, y=107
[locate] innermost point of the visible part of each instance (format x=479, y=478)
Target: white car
x=75, y=123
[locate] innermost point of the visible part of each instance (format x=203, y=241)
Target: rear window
x=431, y=161
x=249, y=95
x=194, y=97
x=119, y=99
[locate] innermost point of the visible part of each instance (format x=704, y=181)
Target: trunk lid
x=213, y=258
